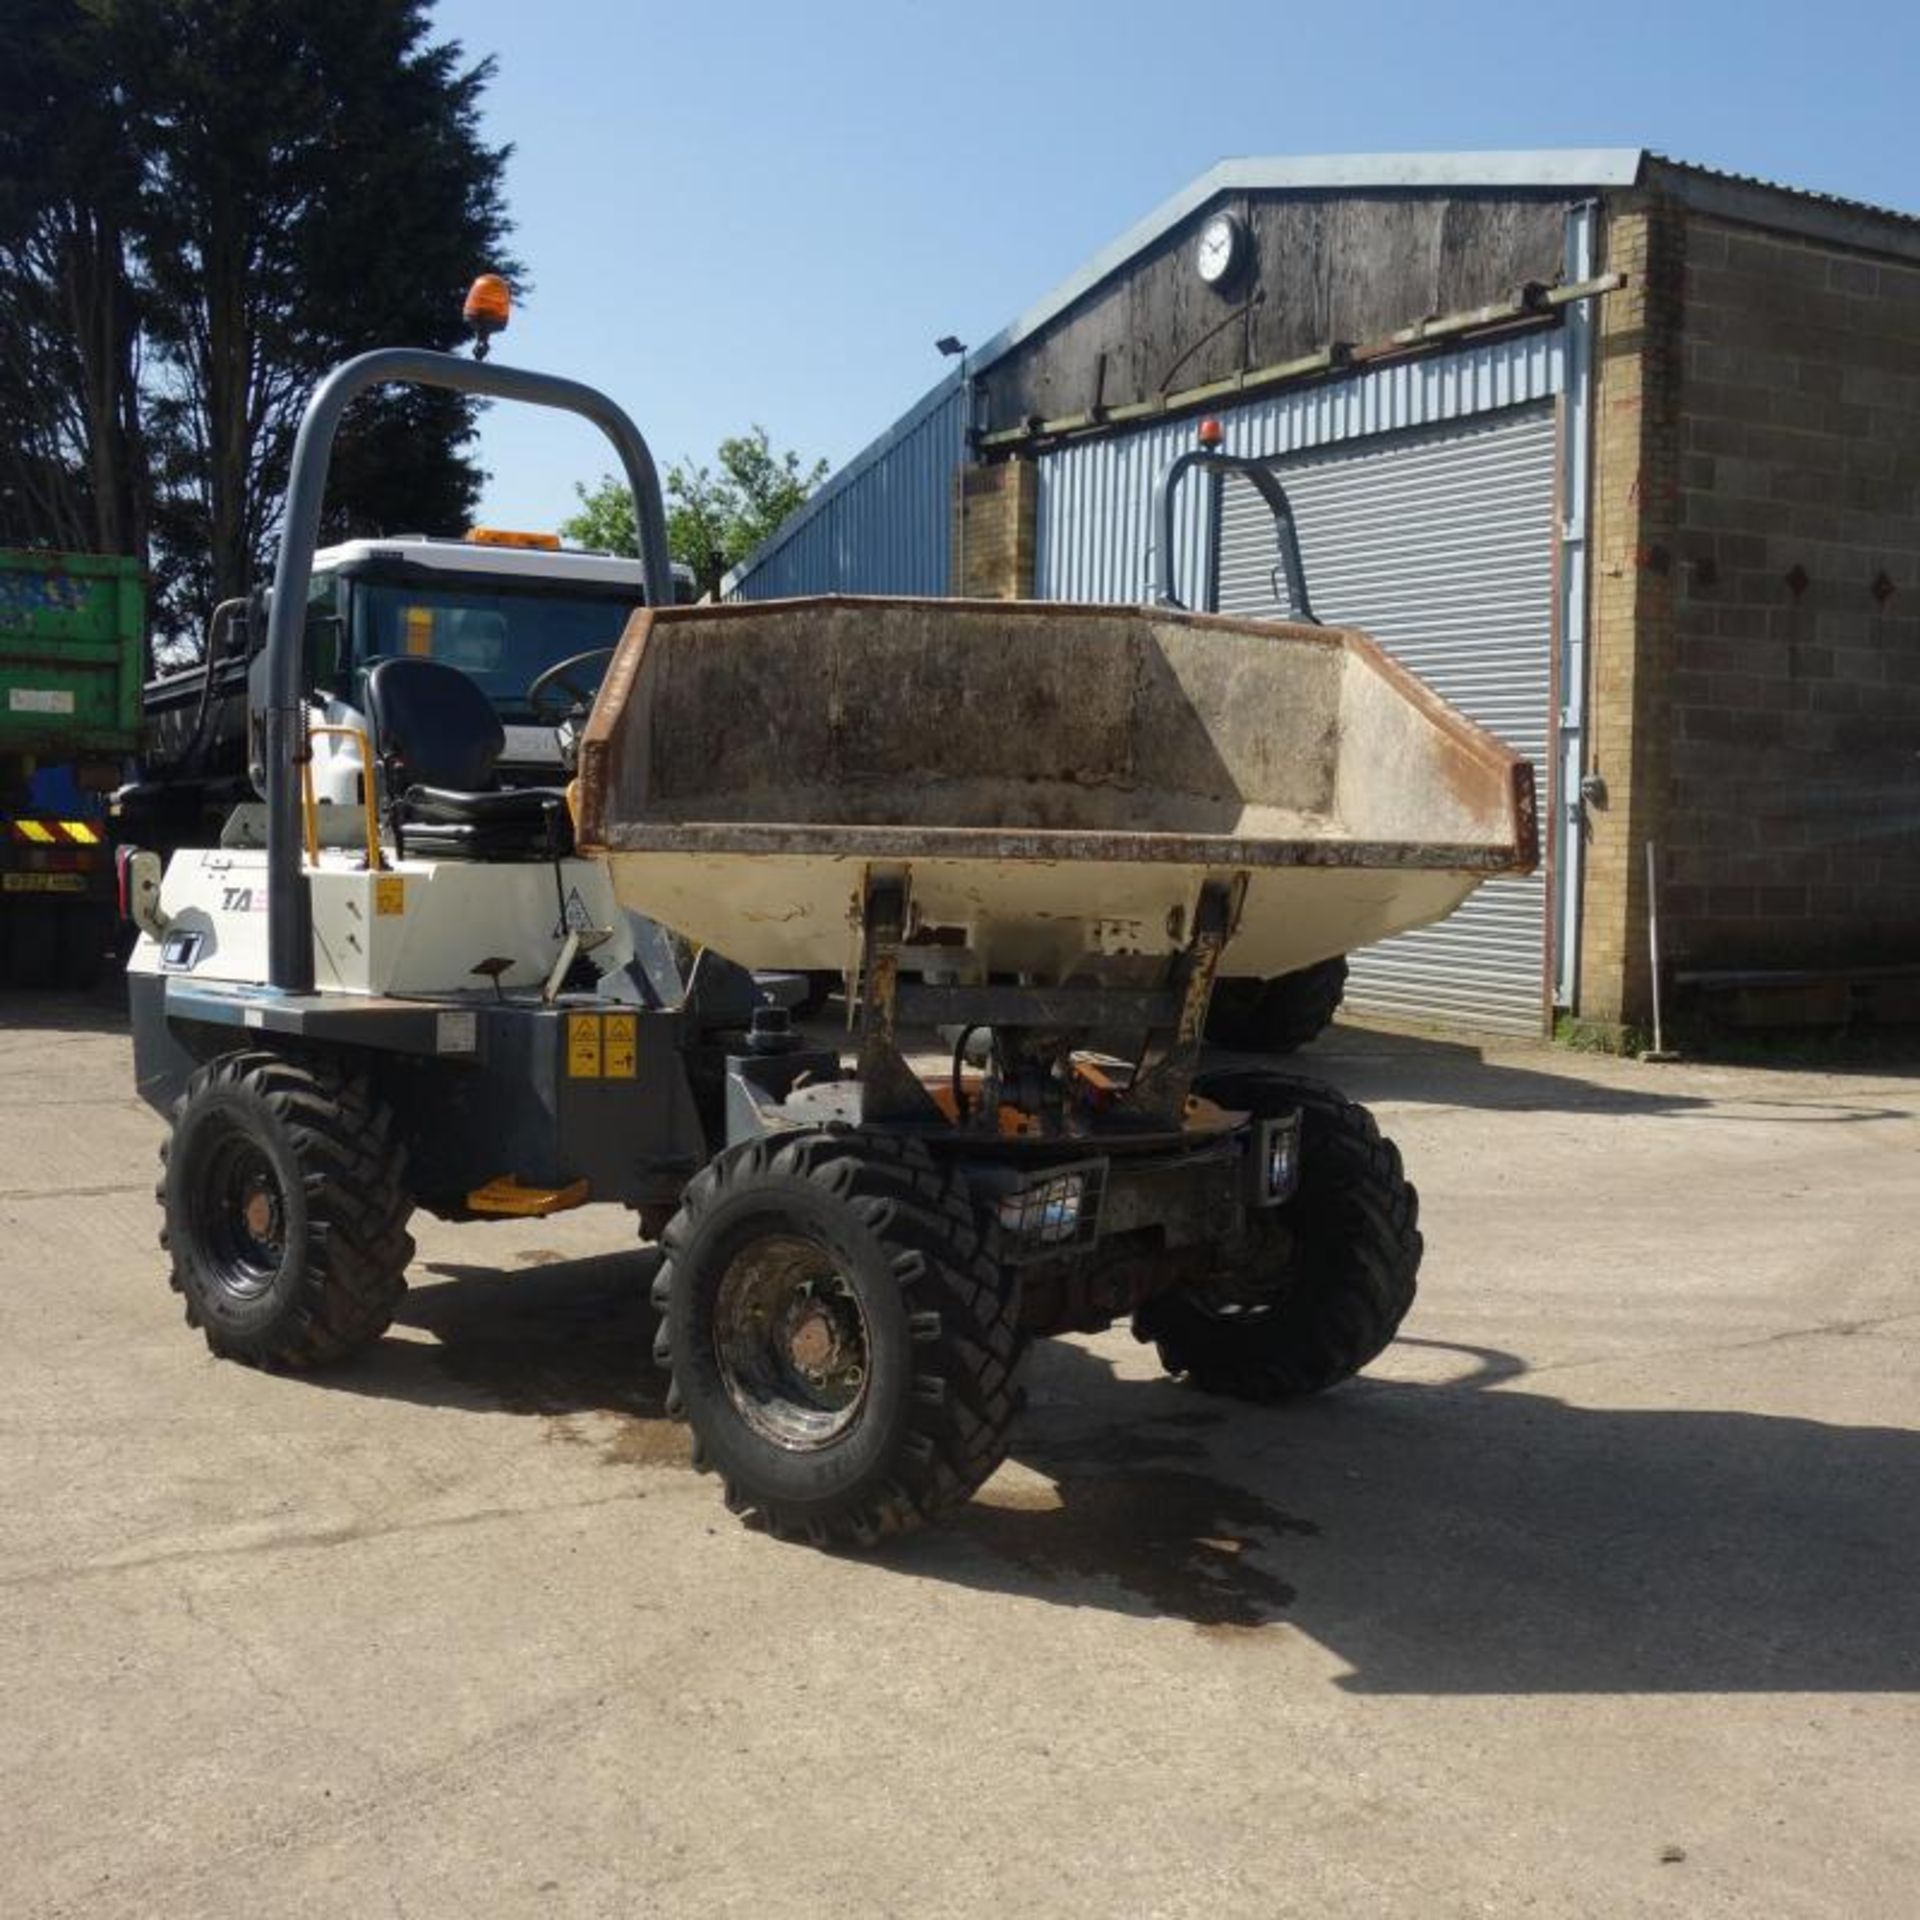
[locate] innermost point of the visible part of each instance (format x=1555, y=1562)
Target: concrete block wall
x=993, y=530
x=1793, y=818
x=1755, y=696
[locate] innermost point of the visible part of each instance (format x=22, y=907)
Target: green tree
x=72, y=462
x=205, y=204
x=714, y=520
x=316, y=185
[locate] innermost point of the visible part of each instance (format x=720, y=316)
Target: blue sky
x=753, y=212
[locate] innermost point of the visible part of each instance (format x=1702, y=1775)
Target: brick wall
x=1756, y=662
x=993, y=530
x=1637, y=444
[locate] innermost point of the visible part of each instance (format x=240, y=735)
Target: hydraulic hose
x=218, y=623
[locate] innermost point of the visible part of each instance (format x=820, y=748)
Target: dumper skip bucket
x=1050, y=782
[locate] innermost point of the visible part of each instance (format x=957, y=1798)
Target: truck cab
x=501, y=608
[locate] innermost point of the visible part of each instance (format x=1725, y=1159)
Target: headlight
x=1279, y=1159
x=1053, y=1211
x=1046, y=1214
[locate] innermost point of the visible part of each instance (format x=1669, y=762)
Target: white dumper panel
x=414, y=927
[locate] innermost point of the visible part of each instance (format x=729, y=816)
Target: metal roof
x=1568, y=169
x=1701, y=171
x=1564, y=169
x=1799, y=210
x=1554, y=169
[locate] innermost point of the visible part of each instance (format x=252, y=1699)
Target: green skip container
x=72, y=647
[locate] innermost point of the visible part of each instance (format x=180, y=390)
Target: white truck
x=503, y=608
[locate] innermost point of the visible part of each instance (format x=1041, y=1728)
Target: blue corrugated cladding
x=880, y=525
x=1094, y=535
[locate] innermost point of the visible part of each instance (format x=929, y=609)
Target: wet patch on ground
x=1138, y=1503
x=630, y=1442
x=1188, y=1544
x=1119, y=1495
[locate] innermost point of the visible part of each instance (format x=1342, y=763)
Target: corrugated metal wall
x=1093, y=533
x=1440, y=543
x=880, y=525
x=1094, y=495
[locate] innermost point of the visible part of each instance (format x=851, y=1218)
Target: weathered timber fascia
x=1535, y=304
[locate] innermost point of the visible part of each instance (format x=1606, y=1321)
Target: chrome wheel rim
x=792, y=1342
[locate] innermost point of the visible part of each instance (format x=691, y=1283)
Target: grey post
x=1160, y=585
x=289, y=905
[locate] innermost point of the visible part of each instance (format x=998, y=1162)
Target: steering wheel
x=564, y=691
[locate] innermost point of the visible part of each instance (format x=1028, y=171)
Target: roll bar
x=289, y=902
x=1160, y=583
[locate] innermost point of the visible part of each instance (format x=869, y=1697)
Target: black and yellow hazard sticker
x=603, y=1046
x=583, y=1046
x=389, y=893
x=621, y=1052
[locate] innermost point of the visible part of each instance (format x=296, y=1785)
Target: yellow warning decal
x=583, y=1046
x=622, y=1049
x=390, y=893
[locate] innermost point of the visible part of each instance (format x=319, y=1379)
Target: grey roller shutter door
x=1440, y=544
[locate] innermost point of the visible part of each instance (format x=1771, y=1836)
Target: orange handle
x=369, y=788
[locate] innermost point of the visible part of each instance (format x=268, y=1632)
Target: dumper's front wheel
x=284, y=1211
x=840, y=1339
x=1330, y=1275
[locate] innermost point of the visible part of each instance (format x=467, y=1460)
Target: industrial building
x=1622, y=455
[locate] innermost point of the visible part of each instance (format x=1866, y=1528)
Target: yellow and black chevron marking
x=54, y=833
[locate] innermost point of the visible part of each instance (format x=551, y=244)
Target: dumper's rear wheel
x=840, y=1340
x=1277, y=1016
x=285, y=1210
x=1334, y=1270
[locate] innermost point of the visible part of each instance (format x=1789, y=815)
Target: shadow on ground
x=101, y=1009
x=1427, y=1070
x=1473, y=1537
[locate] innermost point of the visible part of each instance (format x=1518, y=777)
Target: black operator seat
x=438, y=740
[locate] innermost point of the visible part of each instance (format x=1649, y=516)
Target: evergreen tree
x=72, y=460
x=291, y=185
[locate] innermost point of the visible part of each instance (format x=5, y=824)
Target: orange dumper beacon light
x=488, y=308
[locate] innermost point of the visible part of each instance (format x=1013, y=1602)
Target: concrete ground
x=1599, y=1595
